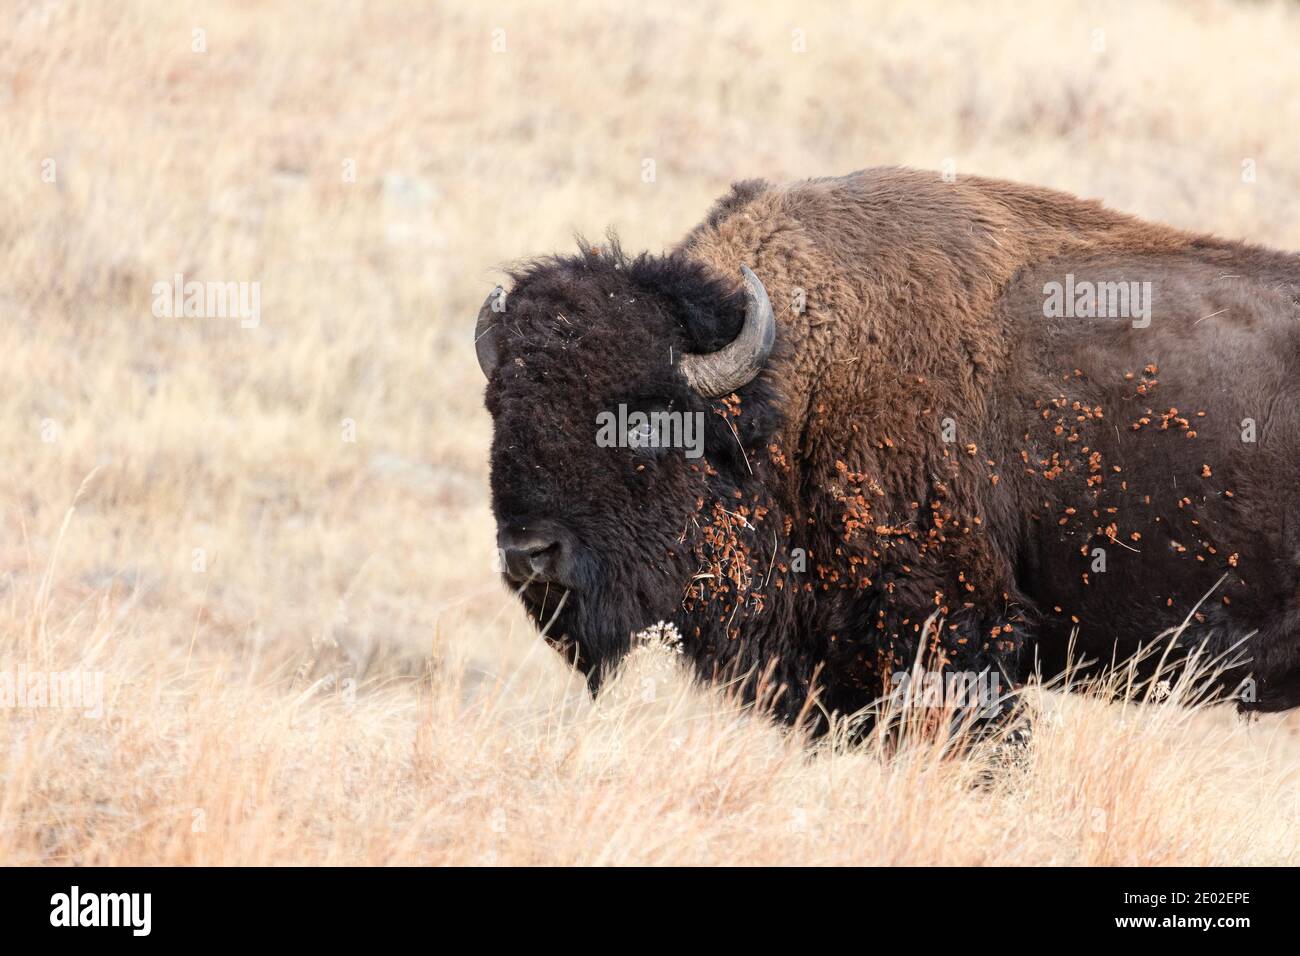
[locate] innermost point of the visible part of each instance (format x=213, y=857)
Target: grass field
x=272, y=540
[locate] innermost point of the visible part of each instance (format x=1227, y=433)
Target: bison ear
x=486, y=330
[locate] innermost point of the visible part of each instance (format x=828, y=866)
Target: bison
x=979, y=422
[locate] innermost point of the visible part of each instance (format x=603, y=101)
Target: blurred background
x=305, y=500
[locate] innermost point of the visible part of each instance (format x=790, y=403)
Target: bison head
x=616, y=387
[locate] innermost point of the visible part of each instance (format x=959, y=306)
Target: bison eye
x=641, y=436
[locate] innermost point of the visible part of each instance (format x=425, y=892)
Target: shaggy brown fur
x=934, y=442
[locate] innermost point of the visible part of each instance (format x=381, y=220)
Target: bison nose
x=526, y=557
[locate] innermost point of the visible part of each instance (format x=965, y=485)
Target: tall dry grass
x=306, y=655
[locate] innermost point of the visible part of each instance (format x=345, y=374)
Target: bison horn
x=736, y=364
x=485, y=331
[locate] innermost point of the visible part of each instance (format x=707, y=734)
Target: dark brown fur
x=922, y=301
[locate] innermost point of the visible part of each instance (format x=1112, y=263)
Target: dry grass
x=344, y=681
